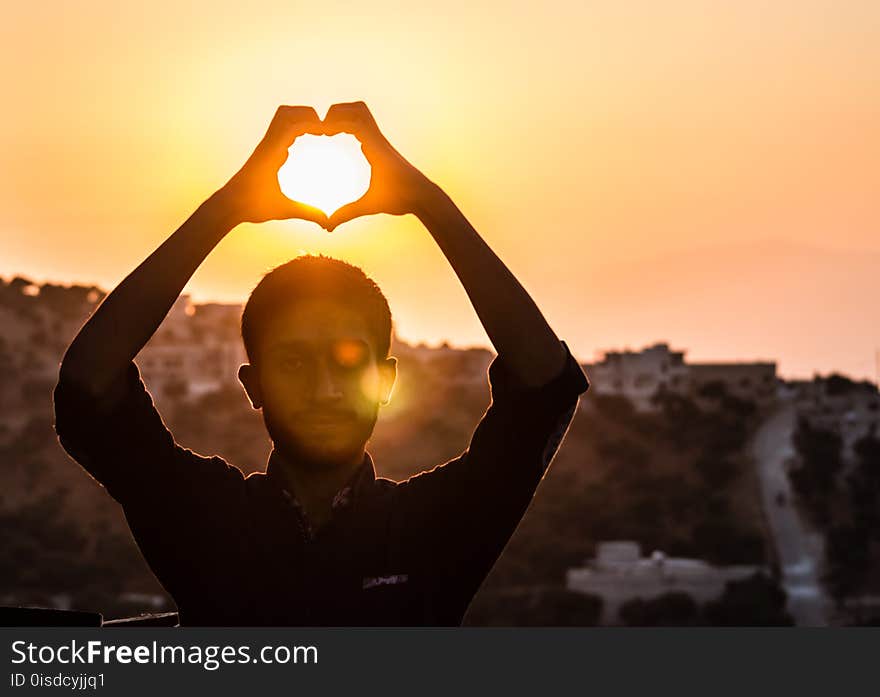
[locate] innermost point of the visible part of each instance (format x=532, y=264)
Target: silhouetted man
x=317, y=539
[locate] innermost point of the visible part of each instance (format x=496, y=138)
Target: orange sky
x=697, y=172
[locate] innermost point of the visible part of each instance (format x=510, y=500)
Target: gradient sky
x=702, y=173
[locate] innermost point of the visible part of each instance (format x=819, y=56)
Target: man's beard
x=333, y=451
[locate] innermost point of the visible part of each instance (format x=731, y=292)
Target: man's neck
x=315, y=486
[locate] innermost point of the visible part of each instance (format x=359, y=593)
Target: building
x=466, y=366
x=836, y=403
x=753, y=382
x=196, y=350
x=638, y=375
x=619, y=573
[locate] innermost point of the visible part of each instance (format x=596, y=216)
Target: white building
x=638, y=375
x=619, y=573
x=196, y=350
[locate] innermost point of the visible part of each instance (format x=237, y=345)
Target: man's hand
x=396, y=187
x=515, y=325
x=253, y=195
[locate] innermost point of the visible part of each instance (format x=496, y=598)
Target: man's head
x=317, y=332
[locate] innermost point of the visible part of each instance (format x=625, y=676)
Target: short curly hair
x=317, y=277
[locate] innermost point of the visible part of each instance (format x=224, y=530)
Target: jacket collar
x=353, y=489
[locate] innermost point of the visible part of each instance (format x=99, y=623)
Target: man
x=317, y=539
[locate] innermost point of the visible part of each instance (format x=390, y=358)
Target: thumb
x=347, y=212
x=303, y=211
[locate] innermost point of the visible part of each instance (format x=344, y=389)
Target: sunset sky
x=701, y=173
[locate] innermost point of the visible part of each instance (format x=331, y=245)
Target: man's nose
x=327, y=388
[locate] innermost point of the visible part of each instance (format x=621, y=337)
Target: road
x=800, y=549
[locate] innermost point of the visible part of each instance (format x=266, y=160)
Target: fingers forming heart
x=373, y=178
x=325, y=171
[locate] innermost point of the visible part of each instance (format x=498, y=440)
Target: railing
x=50, y=617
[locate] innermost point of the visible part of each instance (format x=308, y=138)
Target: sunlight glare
x=325, y=171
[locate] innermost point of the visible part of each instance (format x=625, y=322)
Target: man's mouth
x=327, y=419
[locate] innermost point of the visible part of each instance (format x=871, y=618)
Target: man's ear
x=387, y=378
x=247, y=376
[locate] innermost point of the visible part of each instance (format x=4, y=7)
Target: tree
x=676, y=609
x=757, y=601
x=544, y=607
x=815, y=476
x=848, y=558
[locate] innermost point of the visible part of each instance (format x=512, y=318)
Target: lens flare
x=349, y=353
x=325, y=171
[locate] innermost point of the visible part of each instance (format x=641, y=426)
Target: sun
x=325, y=171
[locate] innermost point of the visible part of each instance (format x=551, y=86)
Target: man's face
x=318, y=381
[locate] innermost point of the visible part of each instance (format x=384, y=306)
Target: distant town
x=776, y=480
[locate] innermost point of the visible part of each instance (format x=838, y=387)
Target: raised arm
x=127, y=318
x=457, y=517
x=515, y=325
